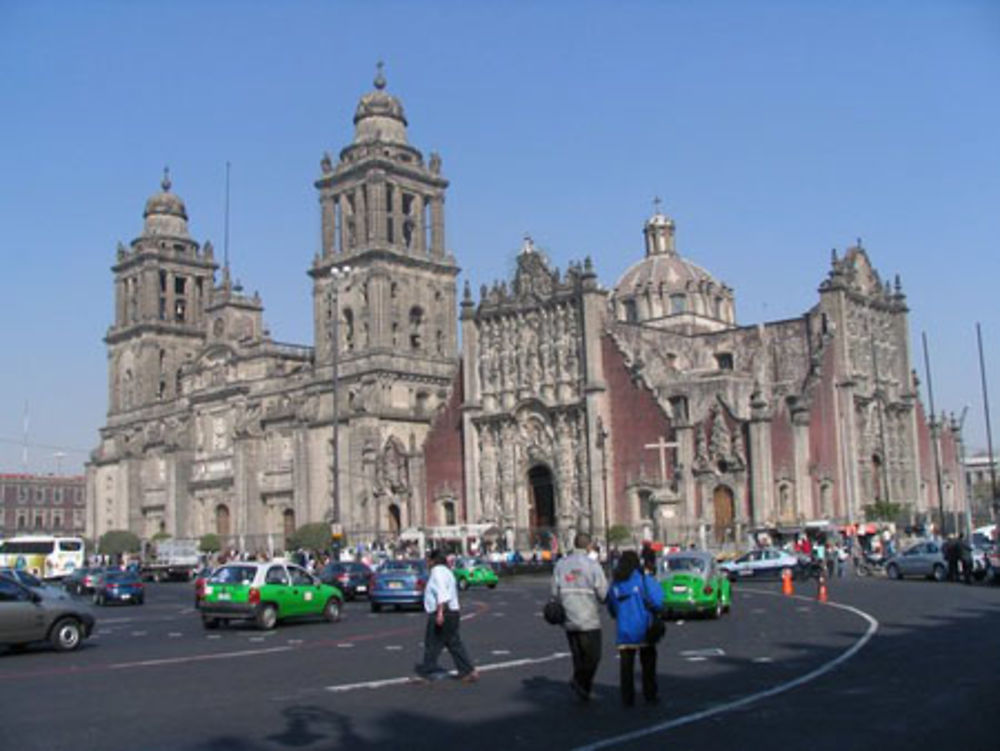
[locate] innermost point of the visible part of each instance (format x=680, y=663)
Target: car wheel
x=331, y=611
x=66, y=635
x=376, y=608
x=893, y=571
x=463, y=584
x=267, y=617
x=492, y=585
x=210, y=623
x=140, y=600
x=939, y=573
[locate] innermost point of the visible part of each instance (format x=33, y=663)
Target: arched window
x=416, y=327
x=222, y=525
x=348, y=329
x=630, y=310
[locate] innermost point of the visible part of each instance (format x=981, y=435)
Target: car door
x=910, y=561
x=305, y=591
x=21, y=618
x=276, y=589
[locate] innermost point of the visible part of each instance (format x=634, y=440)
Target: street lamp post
x=601, y=442
x=336, y=275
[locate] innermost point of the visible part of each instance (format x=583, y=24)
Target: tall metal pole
x=336, y=274
x=989, y=433
x=934, y=433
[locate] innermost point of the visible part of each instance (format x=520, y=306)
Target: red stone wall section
x=636, y=420
x=444, y=457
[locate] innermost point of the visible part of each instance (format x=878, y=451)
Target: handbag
x=554, y=612
x=657, y=629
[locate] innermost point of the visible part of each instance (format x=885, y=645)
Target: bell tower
x=163, y=281
x=382, y=208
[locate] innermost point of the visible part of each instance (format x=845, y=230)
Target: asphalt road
x=909, y=665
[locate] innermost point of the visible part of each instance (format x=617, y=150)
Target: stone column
x=328, y=216
x=437, y=225
x=803, y=485
x=420, y=245
x=761, y=467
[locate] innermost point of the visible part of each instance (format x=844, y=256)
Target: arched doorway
x=876, y=478
x=542, y=511
x=725, y=512
x=222, y=525
x=395, y=523
x=288, y=522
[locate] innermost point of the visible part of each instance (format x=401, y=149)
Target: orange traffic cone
x=786, y=582
x=821, y=595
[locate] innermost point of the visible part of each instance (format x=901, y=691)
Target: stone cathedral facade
x=567, y=406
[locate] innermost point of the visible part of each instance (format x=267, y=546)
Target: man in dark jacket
x=578, y=582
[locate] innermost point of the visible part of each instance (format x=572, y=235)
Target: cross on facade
x=661, y=445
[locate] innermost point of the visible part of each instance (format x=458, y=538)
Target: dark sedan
x=398, y=583
x=81, y=580
x=349, y=577
x=118, y=586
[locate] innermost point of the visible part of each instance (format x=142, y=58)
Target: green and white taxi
x=474, y=572
x=267, y=593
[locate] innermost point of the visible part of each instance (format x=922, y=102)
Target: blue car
x=399, y=583
x=119, y=586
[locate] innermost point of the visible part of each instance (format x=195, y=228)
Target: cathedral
x=644, y=409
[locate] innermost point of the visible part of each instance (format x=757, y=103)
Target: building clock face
x=218, y=326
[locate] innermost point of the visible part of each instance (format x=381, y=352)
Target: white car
x=760, y=564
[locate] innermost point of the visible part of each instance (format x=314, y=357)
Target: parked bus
x=44, y=556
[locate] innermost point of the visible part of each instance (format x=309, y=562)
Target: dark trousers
x=444, y=637
x=586, y=649
x=647, y=659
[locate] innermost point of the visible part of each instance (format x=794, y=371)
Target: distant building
x=569, y=406
x=35, y=504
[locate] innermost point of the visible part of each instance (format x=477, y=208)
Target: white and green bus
x=45, y=556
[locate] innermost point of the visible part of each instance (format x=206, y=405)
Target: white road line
x=394, y=647
x=762, y=660
x=709, y=652
x=198, y=658
x=409, y=679
x=138, y=633
x=751, y=698
x=214, y=636
x=345, y=645
x=697, y=659
x=499, y=652
x=175, y=634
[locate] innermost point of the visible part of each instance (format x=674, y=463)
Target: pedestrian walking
x=443, y=619
x=635, y=600
x=579, y=584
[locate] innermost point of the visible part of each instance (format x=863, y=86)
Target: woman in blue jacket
x=635, y=601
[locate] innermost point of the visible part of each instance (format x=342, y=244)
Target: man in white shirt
x=443, y=619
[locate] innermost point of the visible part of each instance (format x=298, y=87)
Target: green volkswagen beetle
x=693, y=583
x=474, y=572
x=266, y=593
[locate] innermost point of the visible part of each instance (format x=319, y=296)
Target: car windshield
x=234, y=575
x=696, y=565
x=402, y=566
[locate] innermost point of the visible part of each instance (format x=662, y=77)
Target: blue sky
x=773, y=131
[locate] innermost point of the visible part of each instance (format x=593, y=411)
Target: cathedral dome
x=379, y=116
x=666, y=290
x=165, y=213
